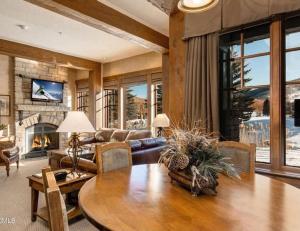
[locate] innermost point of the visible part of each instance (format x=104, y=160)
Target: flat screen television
x=47, y=91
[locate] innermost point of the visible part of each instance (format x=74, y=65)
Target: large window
x=136, y=106
x=245, y=89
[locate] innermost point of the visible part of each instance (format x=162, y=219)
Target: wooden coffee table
x=71, y=184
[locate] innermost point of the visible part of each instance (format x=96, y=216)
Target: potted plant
x=194, y=160
x=2, y=127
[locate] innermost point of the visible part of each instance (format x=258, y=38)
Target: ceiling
x=142, y=11
x=54, y=32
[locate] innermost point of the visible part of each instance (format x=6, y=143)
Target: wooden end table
x=71, y=184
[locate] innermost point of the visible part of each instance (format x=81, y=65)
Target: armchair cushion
x=6, y=145
x=11, y=152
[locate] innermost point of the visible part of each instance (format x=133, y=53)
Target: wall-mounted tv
x=47, y=91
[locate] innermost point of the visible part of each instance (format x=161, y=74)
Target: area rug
x=15, y=199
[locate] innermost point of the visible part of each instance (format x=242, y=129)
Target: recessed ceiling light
x=194, y=6
x=23, y=27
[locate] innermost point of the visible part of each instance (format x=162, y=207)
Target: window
x=110, y=111
x=158, y=99
x=245, y=89
x=131, y=101
x=82, y=100
x=136, y=106
x=292, y=91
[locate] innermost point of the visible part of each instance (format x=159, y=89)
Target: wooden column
x=277, y=81
x=94, y=89
x=174, y=98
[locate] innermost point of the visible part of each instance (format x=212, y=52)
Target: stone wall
x=52, y=113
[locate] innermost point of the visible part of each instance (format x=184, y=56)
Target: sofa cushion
x=153, y=142
x=104, y=134
x=148, y=142
x=119, y=136
x=160, y=141
x=139, y=134
x=135, y=145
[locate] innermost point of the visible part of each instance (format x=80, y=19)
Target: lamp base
x=159, y=131
x=74, y=152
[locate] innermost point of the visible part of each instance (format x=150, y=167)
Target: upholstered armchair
x=9, y=154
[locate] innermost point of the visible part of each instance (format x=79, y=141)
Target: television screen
x=49, y=91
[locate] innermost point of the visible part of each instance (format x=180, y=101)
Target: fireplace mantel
x=44, y=108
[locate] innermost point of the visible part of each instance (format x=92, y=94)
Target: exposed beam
x=42, y=55
x=100, y=16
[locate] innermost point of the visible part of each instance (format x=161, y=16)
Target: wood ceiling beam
x=42, y=55
x=100, y=16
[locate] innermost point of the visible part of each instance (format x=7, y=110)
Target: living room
x=187, y=112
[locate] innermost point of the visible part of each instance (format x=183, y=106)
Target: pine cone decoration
x=178, y=161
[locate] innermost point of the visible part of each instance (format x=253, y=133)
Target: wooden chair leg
x=7, y=169
x=17, y=164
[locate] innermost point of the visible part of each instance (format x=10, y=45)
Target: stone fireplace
x=36, y=122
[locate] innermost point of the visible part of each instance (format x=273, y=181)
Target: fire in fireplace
x=40, y=138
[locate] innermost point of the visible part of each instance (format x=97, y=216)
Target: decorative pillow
x=119, y=136
x=134, y=144
x=104, y=134
x=139, y=134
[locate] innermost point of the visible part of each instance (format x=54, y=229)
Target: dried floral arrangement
x=194, y=160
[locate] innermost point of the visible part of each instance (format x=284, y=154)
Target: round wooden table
x=142, y=198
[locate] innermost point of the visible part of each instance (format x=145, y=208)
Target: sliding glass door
x=245, y=89
x=292, y=91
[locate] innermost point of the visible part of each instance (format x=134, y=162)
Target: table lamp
x=76, y=122
x=161, y=121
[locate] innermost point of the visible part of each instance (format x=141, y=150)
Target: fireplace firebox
x=40, y=138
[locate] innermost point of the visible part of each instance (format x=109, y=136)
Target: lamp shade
x=161, y=121
x=76, y=121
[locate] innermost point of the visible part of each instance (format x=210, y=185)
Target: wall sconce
x=20, y=113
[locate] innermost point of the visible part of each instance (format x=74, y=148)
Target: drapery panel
x=233, y=13
x=201, y=85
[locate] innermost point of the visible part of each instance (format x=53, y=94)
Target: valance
x=232, y=13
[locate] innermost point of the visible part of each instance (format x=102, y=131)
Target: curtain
x=201, y=85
